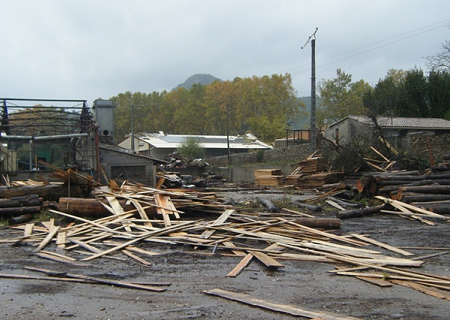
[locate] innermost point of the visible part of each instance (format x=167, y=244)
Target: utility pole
x=132, y=125
x=313, y=134
x=228, y=136
x=132, y=128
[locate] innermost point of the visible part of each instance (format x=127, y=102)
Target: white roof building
x=159, y=145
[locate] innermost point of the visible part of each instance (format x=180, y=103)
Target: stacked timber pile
x=309, y=173
x=268, y=177
x=312, y=165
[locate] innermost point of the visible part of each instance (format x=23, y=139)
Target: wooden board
x=220, y=220
x=275, y=306
x=376, y=281
x=383, y=245
x=266, y=260
x=240, y=266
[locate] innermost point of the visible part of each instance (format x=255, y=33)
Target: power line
x=401, y=36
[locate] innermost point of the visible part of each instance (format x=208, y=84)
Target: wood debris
x=134, y=222
x=275, y=306
x=140, y=217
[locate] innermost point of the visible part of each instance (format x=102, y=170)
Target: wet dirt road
x=300, y=284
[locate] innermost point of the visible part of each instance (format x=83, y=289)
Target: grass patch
x=3, y=222
x=46, y=215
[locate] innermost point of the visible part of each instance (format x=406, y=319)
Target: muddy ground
x=305, y=285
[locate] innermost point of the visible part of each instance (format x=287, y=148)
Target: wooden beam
x=275, y=306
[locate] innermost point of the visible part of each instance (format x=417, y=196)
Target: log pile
x=430, y=191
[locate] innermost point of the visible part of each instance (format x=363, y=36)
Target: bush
x=191, y=149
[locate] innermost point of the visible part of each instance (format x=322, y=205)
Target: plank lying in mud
x=98, y=280
x=275, y=306
x=76, y=280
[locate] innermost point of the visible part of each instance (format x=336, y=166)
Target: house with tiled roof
x=398, y=131
x=159, y=145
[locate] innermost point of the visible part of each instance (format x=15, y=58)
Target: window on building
x=352, y=130
x=127, y=172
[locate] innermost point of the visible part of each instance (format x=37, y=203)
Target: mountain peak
x=200, y=78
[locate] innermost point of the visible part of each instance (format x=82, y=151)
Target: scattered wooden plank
x=382, y=245
x=240, y=266
x=99, y=280
x=334, y=204
x=138, y=259
x=231, y=245
x=159, y=199
x=266, y=260
x=47, y=239
x=378, y=282
x=275, y=306
x=220, y=220
x=424, y=289
x=59, y=258
x=28, y=229
x=141, y=212
x=61, y=241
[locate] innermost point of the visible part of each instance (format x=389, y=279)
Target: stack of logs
x=430, y=190
x=22, y=208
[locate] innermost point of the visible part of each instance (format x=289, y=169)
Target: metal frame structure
x=45, y=121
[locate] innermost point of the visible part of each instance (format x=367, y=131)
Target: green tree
x=439, y=93
x=410, y=94
x=385, y=97
x=191, y=149
x=341, y=97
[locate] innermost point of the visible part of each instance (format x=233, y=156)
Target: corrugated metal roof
x=405, y=122
x=171, y=141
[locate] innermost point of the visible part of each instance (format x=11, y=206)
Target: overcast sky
x=81, y=49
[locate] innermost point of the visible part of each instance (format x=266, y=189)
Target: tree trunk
x=308, y=206
x=360, y=212
x=50, y=192
x=421, y=197
x=81, y=207
x=322, y=223
x=434, y=189
x=17, y=211
x=22, y=201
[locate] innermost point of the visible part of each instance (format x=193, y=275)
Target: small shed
x=396, y=130
x=120, y=163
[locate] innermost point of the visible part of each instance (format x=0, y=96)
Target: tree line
x=261, y=105
x=411, y=93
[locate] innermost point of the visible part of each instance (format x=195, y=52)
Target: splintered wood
x=156, y=218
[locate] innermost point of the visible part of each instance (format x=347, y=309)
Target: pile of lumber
x=317, y=180
x=268, y=177
x=312, y=164
x=308, y=174
x=266, y=238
